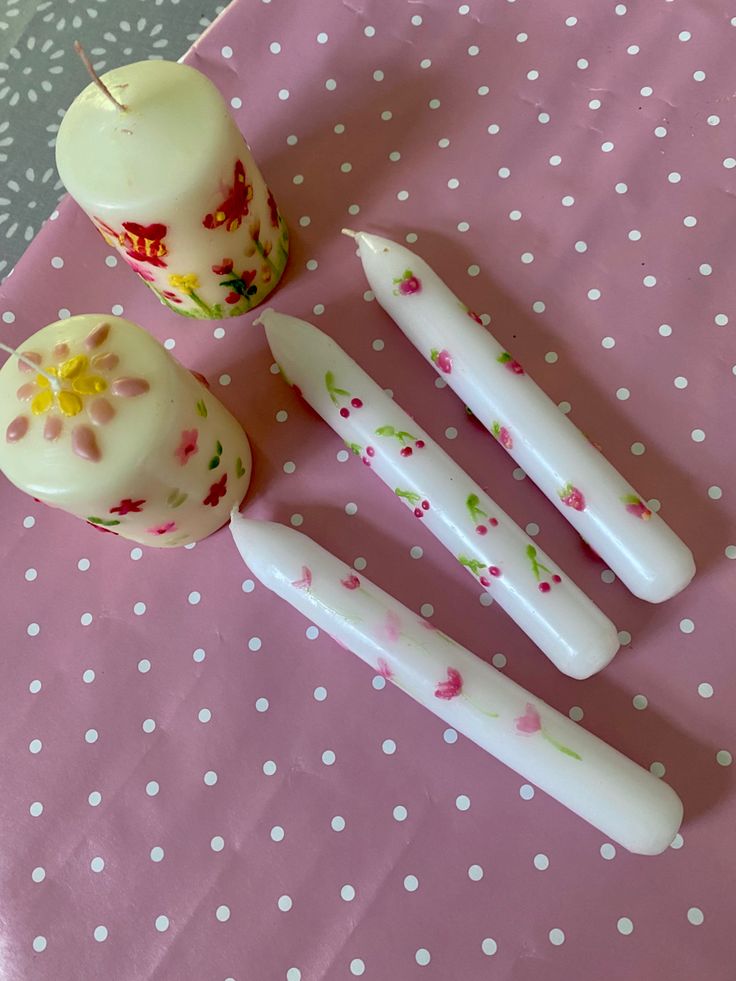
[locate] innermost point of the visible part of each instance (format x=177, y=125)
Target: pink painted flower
x=637, y=507
x=392, y=626
x=443, y=360
x=172, y=297
x=572, y=497
x=162, y=529
x=407, y=284
x=384, y=670
x=529, y=722
x=216, y=491
x=452, y=687
x=141, y=270
x=187, y=446
x=508, y=362
x=128, y=506
x=306, y=581
x=503, y=436
x=351, y=581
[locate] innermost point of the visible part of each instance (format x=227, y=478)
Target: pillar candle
x=525, y=582
x=646, y=555
x=170, y=183
x=126, y=438
x=627, y=803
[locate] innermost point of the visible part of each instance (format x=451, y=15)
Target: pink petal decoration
x=105, y=362
x=529, y=722
x=129, y=388
x=26, y=392
x=97, y=336
x=52, y=428
x=32, y=356
x=17, y=429
x=84, y=444
x=61, y=351
x=100, y=412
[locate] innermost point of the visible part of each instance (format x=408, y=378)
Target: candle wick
x=96, y=78
x=53, y=382
x=349, y=232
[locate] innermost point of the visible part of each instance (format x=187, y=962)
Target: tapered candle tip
x=258, y=322
x=349, y=232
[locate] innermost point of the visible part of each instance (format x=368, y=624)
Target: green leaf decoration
x=218, y=447
x=239, y=468
x=386, y=431
x=408, y=495
x=176, y=498
x=503, y=358
x=475, y=565
x=214, y=463
x=472, y=503
x=202, y=408
x=356, y=448
x=103, y=521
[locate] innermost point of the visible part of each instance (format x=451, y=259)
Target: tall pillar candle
x=125, y=437
x=627, y=803
x=564, y=623
x=599, y=503
x=169, y=181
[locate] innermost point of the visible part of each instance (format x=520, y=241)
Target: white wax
x=525, y=582
x=172, y=185
x=624, y=801
x=597, y=501
x=131, y=442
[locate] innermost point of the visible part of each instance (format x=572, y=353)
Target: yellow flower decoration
x=187, y=283
x=74, y=372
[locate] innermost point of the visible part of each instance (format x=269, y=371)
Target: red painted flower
x=141, y=270
x=127, y=506
x=163, y=529
x=529, y=722
x=233, y=209
x=187, y=446
x=306, y=581
x=172, y=297
x=351, y=581
x=273, y=209
x=224, y=269
x=452, y=687
x=145, y=243
x=217, y=490
x=108, y=531
x=384, y=670
x=474, y=316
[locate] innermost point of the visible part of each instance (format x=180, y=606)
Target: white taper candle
x=525, y=582
x=597, y=501
x=624, y=801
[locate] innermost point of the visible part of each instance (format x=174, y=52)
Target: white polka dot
x=254, y=644
x=582, y=63
x=199, y=655
x=581, y=247
x=555, y=160
x=269, y=768
x=289, y=466
x=236, y=102
x=39, y=944
x=353, y=209
x=360, y=563
x=152, y=788
x=351, y=508
x=684, y=35
x=31, y=575
x=283, y=94
x=217, y=843
x=657, y=769
x=532, y=75
x=564, y=408
x=515, y=215
x=680, y=382
x=400, y=813
x=462, y=802
x=29, y=521
x=475, y=873
x=422, y=957
x=328, y=757
x=541, y=862
x=695, y=916
x=543, y=118
x=724, y=758
x=139, y=609
x=35, y=686
x=204, y=715
x=576, y=713
x=411, y=883
x=556, y=937
x=449, y=736
x=97, y=864
x=489, y=945
x=274, y=47
x=624, y=637
x=227, y=51
x=729, y=163
x=136, y=554
x=36, y=809
x=210, y=777
x=608, y=343
x=625, y=926
x=608, y=851
x=664, y=330
x=318, y=309
x=713, y=120
x=527, y=257
x=594, y=294
x=94, y=799
x=261, y=705
x=284, y=903
x=292, y=140
x=218, y=333
x=39, y=873
x=594, y=104
x=157, y=854
x=633, y=49
x=538, y=306
x=311, y=633
x=388, y=746
x=194, y=597
x=705, y=269
x=8, y=317
x=33, y=630
x=357, y=967
x=608, y=576
x=640, y=702
x=117, y=309
x=222, y=913
x=730, y=551
x=689, y=221
x=687, y=626
x=100, y=933
x=293, y=974
x=677, y=842
x=721, y=319
x=162, y=923
x=621, y=188
x=144, y=665
x=638, y=448
x=57, y=262
x=91, y=736
x=35, y=746
x=320, y=694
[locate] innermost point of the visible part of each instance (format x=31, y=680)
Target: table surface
x=569, y=170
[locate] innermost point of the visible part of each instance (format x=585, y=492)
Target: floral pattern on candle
x=187, y=446
x=530, y=723
x=509, y=363
x=79, y=384
x=216, y=492
x=407, y=284
x=637, y=507
x=502, y=435
x=235, y=206
x=572, y=497
x=450, y=688
x=442, y=359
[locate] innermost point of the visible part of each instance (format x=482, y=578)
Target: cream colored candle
x=170, y=182
x=125, y=437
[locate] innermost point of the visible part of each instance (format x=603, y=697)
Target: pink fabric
x=208, y=645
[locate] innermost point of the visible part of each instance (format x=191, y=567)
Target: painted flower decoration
x=451, y=688
x=351, y=581
x=235, y=206
x=443, y=360
x=162, y=529
x=79, y=383
x=128, y=506
x=187, y=445
x=637, y=507
x=273, y=208
x=530, y=723
x=510, y=364
x=187, y=283
x=306, y=580
x=407, y=283
x=384, y=670
x=240, y=286
x=572, y=497
x=216, y=491
x=141, y=243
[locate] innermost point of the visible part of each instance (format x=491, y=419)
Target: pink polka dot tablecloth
x=196, y=784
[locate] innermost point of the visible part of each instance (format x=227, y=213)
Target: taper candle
x=111, y=428
x=624, y=801
x=525, y=582
x=646, y=555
